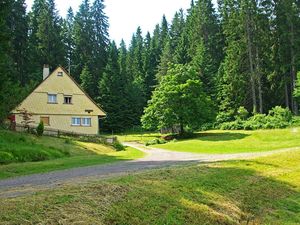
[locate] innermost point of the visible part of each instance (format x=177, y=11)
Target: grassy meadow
x=259, y=191
x=220, y=141
x=31, y=154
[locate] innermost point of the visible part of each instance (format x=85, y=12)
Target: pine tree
x=9, y=92
x=68, y=35
x=18, y=26
x=101, y=37
x=83, y=40
x=112, y=90
x=87, y=81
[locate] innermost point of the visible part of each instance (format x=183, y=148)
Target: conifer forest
x=206, y=63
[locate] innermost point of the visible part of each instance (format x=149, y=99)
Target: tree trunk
x=286, y=91
x=181, y=132
x=250, y=54
x=260, y=98
x=293, y=72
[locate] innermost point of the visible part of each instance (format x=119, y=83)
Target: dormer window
x=67, y=99
x=59, y=74
x=52, y=98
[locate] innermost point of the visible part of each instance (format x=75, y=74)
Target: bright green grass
x=258, y=191
x=237, y=141
x=79, y=154
x=22, y=147
x=137, y=137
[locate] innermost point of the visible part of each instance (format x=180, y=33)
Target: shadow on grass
x=206, y=195
x=226, y=136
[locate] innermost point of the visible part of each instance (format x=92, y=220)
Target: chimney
x=46, y=71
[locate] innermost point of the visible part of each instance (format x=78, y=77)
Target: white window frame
x=68, y=96
x=52, y=98
x=60, y=74
x=75, y=120
x=84, y=120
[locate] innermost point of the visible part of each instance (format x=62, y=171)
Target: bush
x=40, y=129
x=223, y=117
x=277, y=117
x=118, y=146
x=255, y=122
x=242, y=113
x=234, y=125
x=6, y=157
x=156, y=141
x=283, y=114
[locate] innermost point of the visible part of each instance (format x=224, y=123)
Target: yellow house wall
x=64, y=123
x=60, y=114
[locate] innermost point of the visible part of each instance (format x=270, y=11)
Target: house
x=61, y=104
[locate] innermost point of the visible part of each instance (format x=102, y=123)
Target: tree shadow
x=225, y=136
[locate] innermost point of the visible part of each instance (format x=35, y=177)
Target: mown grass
x=78, y=154
x=260, y=191
x=219, y=142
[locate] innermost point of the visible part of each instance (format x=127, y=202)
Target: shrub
x=242, y=113
x=284, y=114
x=118, y=146
x=6, y=157
x=156, y=141
x=40, y=129
x=223, y=117
x=234, y=125
x=255, y=122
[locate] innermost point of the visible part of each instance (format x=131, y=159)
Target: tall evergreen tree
x=18, y=26
x=9, y=94
x=101, y=36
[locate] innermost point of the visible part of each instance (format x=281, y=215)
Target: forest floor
x=263, y=190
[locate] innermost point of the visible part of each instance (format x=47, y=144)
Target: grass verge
x=260, y=191
x=79, y=154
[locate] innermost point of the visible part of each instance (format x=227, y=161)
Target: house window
x=67, y=99
x=52, y=98
x=86, y=122
x=60, y=74
x=45, y=120
x=76, y=121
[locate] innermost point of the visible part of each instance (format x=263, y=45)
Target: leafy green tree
x=178, y=100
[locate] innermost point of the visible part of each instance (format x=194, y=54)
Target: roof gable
x=36, y=102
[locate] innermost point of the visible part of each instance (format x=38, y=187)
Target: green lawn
x=237, y=141
x=74, y=154
x=258, y=191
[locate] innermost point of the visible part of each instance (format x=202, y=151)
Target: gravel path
x=155, y=158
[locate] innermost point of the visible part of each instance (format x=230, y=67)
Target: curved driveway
x=155, y=158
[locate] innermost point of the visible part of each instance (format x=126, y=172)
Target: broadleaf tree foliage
x=178, y=100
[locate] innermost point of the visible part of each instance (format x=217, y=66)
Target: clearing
x=226, y=142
